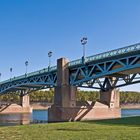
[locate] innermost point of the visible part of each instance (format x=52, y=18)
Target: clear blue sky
x=31, y=28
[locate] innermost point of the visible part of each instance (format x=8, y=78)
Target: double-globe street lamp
x=49, y=55
x=11, y=70
x=0, y=77
x=84, y=42
x=26, y=65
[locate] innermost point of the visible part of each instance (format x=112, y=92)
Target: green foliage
x=129, y=97
x=125, y=96
x=48, y=96
x=10, y=98
x=87, y=96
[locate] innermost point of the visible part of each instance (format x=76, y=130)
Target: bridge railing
x=45, y=70
x=108, y=54
x=75, y=62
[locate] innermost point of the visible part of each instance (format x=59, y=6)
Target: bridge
x=105, y=72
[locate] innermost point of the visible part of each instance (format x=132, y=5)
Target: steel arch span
x=34, y=81
x=112, y=69
x=98, y=75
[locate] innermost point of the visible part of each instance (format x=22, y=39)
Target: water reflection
x=41, y=116
x=38, y=116
x=13, y=119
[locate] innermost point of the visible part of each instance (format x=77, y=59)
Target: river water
x=41, y=116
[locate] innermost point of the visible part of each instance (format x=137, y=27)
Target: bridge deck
x=47, y=76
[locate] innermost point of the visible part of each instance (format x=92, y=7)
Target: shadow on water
x=128, y=121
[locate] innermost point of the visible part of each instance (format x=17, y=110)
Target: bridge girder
x=94, y=72
x=98, y=74
x=38, y=82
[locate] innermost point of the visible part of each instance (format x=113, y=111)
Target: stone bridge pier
x=65, y=107
x=25, y=102
x=22, y=107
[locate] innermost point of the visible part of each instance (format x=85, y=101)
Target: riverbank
x=45, y=105
x=116, y=129
x=40, y=105
x=130, y=106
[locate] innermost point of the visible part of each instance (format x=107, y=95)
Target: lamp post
x=0, y=77
x=11, y=70
x=84, y=42
x=26, y=65
x=49, y=55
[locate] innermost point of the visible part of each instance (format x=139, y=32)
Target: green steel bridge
x=97, y=71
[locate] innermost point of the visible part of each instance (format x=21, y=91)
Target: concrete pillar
x=65, y=94
x=24, y=99
x=111, y=98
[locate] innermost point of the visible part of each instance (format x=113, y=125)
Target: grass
x=115, y=129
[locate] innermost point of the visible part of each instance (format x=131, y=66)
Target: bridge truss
x=113, y=69
x=34, y=81
x=107, y=74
